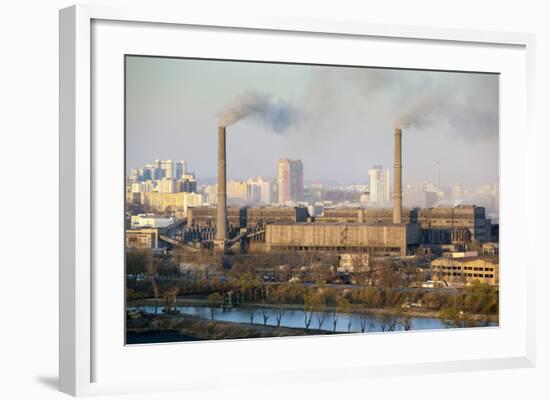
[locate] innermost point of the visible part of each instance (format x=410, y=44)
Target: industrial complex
x=290, y=225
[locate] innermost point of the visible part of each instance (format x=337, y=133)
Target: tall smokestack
x=397, y=195
x=221, y=216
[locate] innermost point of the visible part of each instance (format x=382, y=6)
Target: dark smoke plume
x=275, y=113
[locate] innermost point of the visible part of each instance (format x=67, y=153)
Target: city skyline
x=161, y=121
x=366, y=181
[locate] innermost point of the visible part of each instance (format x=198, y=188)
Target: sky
x=338, y=120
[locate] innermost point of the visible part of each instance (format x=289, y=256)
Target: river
x=295, y=318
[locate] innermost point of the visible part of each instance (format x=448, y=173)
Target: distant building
x=180, y=169
x=316, y=209
x=458, y=192
x=150, y=221
x=237, y=192
x=290, y=180
x=259, y=190
x=420, y=198
x=205, y=216
x=466, y=270
x=379, y=180
x=136, y=187
x=363, y=215
x=260, y=216
x=167, y=185
x=353, y=262
x=490, y=248
x=210, y=193
x=142, y=238
x=440, y=222
x=162, y=202
x=186, y=183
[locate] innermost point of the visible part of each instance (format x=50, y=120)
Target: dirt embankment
x=205, y=329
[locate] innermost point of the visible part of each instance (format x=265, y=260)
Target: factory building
x=260, y=216
x=438, y=223
x=364, y=215
x=376, y=239
x=378, y=231
x=251, y=217
x=205, y=216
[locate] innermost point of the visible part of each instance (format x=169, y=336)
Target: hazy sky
x=338, y=120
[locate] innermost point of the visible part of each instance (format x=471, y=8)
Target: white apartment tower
x=379, y=185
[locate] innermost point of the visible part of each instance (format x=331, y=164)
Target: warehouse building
x=466, y=270
x=376, y=239
x=251, y=217
x=438, y=223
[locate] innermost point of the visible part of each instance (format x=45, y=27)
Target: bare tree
x=251, y=310
x=277, y=296
x=344, y=307
x=265, y=314
x=363, y=320
x=388, y=321
x=309, y=307
x=406, y=322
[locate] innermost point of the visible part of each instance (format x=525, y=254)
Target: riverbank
x=412, y=312
x=197, y=328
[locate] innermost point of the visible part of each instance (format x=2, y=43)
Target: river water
x=295, y=318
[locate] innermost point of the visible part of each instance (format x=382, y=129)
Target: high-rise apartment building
x=290, y=180
x=210, y=192
x=180, y=169
x=379, y=185
x=237, y=191
x=168, y=185
x=259, y=190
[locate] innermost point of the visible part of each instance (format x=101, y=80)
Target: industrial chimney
x=221, y=215
x=397, y=194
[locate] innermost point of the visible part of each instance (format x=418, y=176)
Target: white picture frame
x=81, y=346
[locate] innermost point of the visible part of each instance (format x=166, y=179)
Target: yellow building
x=456, y=271
x=159, y=201
x=141, y=238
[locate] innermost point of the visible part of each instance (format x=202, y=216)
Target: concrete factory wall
x=259, y=216
x=364, y=215
x=377, y=239
x=448, y=218
x=206, y=216
x=247, y=216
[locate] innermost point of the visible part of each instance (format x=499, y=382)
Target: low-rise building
x=142, y=238
x=151, y=221
x=353, y=262
x=490, y=248
x=466, y=270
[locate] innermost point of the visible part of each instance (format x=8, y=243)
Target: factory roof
x=337, y=224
